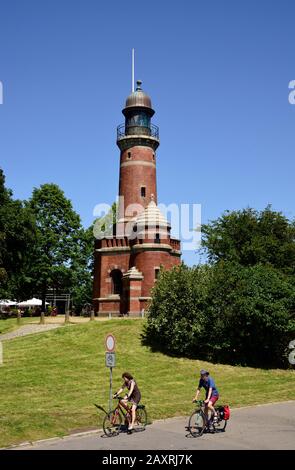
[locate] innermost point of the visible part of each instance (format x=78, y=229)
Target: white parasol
x=31, y=303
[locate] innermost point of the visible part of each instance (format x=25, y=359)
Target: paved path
x=269, y=426
x=28, y=330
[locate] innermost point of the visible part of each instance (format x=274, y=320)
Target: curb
x=96, y=431
x=51, y=439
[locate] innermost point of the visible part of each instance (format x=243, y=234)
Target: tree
x=106, y=225
x=83, y=287
x=249, y=237
x=82, y=267
x=17, y=237
x=60, y=240
x=251, y=312
x=42, y=246
x=223, y=313
x=240, y=308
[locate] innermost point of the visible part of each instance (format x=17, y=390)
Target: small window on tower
x=129, y=155
x=154, y=156
x=157, y=272
x=142, y=191
x=157, y=238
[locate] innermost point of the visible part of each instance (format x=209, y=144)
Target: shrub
x=251, y=313
x=223, y=313
x=176, y=315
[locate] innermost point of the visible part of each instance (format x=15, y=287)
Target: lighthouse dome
x=138, y=98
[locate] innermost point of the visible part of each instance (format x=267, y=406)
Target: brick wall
x=135, y=172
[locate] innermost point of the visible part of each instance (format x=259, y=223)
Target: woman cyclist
x=133, y=396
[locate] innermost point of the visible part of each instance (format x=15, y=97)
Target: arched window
x=116, y=276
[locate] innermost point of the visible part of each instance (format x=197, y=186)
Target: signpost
x=110, y=362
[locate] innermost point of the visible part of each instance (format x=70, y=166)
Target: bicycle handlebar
x=199, y=402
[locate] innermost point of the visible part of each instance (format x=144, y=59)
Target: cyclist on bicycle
x=133, y=396
x=212, y=394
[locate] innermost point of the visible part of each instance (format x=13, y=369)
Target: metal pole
x=111, y=385
x=132, y=70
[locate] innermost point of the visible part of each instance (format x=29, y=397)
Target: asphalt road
x=269, y=426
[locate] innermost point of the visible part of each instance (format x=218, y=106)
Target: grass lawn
x=11, y=324
x=49, y=381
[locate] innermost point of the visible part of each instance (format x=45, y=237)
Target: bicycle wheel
x=112, y=423
x=141, y=417
x=197, y=423
x=220, y=425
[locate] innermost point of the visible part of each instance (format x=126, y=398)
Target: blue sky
x=217, y=73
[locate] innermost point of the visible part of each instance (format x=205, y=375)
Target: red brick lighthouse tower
x=127, y=264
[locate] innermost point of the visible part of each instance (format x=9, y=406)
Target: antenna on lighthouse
x=133, y=70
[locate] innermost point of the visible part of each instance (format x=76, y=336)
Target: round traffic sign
x=110, y=343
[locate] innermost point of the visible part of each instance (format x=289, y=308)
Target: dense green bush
x=251, y=315
x=225, y=312
x=176, y=316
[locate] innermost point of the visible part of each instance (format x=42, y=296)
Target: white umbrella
x=31, y=303
x=7, y=303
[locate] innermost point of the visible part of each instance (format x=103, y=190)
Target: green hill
x=49, y=381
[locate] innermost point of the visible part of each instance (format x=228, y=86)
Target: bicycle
x=112, y=423
x=199, y=423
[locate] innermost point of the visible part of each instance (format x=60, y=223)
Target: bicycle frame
x=125, y=410
x=120, y=407
x=113, y=419
x=202, y=405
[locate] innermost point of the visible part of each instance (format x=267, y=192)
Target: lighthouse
x=127, y=264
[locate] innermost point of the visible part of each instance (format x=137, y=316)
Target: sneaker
x=215, y=419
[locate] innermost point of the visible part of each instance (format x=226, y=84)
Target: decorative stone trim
x=113, y=249
x=138, y=162
x=176, y=252
x=133, y=273
x=111, y=298
x=152, y=247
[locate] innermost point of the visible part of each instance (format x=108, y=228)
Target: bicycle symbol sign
x=110, y=359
